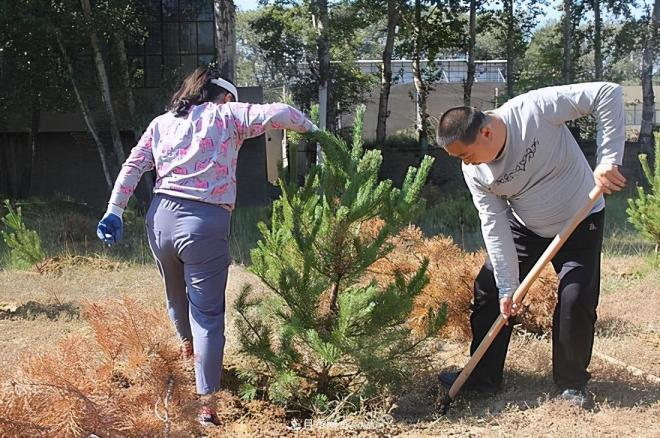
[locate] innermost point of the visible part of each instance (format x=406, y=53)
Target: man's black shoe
x=447, y=379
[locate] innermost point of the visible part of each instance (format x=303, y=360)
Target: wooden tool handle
x=518, y=296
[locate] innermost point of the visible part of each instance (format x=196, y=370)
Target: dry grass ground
x=41, y=309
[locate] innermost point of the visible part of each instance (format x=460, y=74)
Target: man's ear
x=486, y=132
x=228, y=98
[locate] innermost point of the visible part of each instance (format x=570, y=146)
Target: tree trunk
x=467, y=85
x=420, y=86
x=87, y=115
x=117, y=145
x=420, y=105
x=648, y=97
x=510, y=36
x=320, y=21
x=598, y=55
x=225, y=37
x=126, y=79
x=567, y=62
x=321, y=18
x=386, y=73
x=323, y=380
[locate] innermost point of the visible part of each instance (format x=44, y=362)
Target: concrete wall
x=402, y=105
x=446, y=171
x=447, y=95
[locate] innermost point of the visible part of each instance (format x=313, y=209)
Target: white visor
x=227, y=86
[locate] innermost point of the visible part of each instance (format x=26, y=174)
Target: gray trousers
x=190, y=242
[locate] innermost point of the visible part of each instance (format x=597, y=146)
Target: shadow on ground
x=520, y=391
x=33, y=310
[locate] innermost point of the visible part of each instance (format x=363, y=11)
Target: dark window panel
x=153, y=71
x=205, y=10
x=153, y=43
x=134, y=46
x=171, y=37
x=188, y=37
x=204, y=59
x=187, y=10
x=85, y=76
x=171, y=10
x=172, y=61
x=152, y=10
x=197, y=10
x=189, y=63
x=180, y=37
x=205, y=37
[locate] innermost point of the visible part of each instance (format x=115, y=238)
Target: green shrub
x=328, y=330
x=24, y=244
x=644, y=211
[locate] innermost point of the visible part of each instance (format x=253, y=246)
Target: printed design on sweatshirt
x=206, y=145
x=202, y=163
x=521, y=166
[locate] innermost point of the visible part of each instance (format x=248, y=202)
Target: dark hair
x=461, y=123
x=196, y=89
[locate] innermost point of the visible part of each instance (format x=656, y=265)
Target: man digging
x=528, y=178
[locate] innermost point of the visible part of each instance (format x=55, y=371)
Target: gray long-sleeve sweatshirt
x=541, y=174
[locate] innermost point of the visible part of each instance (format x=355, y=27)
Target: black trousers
x=578, y=267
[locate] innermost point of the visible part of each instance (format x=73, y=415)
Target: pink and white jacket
x=195, y=156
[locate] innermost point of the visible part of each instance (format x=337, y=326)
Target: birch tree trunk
x=467, y=85
x=567, y=61
x=117, y=145
x=598, y=52
x=510, y=54
x=321, y=19
x=386, y=73
x=420, y=86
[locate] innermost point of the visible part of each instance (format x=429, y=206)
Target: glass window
x=189, y=63
x=204, y=59
x=188, y=37
x=204, y=10
x=197, y=10
x=86, y=76
x=152, y=10
x=171, y=37
x=172, y=61
x=171, y=10
x=153, y=43
x=180, y=36
x=134, y=46
x=153, y=71
x=205, y=36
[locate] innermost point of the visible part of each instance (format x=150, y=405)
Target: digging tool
x=519, y=294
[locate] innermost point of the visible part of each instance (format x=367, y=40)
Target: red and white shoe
x=186, y=350
x=208, y=417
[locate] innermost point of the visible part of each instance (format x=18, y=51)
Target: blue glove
x=110, y=229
